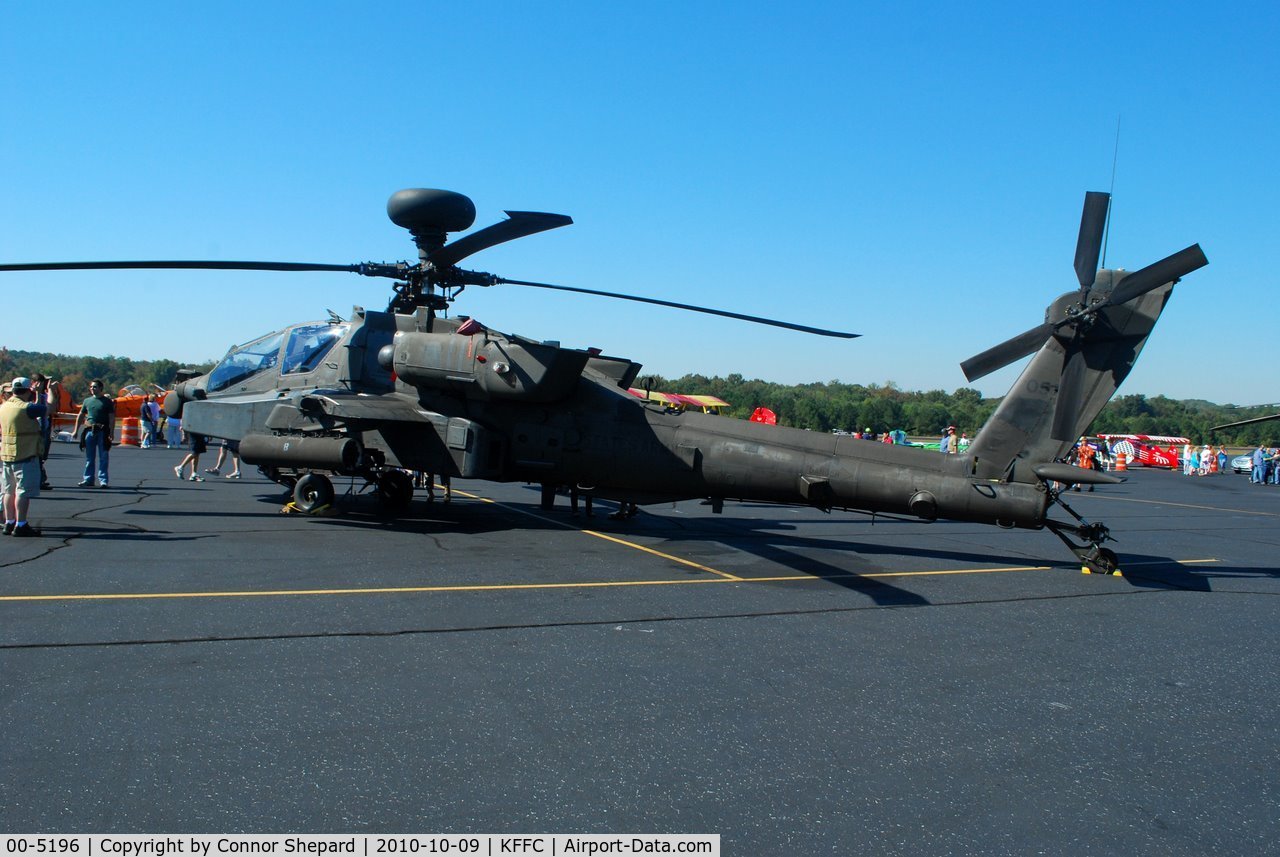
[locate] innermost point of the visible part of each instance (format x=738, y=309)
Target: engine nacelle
x=484, y=365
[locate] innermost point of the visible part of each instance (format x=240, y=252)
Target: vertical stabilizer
x=1021, y=431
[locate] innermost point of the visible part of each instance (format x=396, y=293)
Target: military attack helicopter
x=410, y=389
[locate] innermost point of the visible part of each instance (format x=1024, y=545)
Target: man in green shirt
x=98, y=412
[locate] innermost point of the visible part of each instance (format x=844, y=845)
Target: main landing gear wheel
x=395, y=491
x=312, y=492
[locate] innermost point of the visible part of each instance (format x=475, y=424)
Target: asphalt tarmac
x=182, y=657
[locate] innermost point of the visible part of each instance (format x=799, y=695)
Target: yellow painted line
x=955, y=571
x=726, y=575
x=500, y=587
x=1178, y=561
x=381, y=590
x=1186, y=506
x=605, y=536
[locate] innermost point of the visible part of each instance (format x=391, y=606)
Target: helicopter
x=409, y=389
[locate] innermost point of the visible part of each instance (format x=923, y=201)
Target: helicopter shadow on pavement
x=1161, y=572
x=785, y=551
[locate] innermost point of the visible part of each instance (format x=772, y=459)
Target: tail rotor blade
x=1070, y=393
x=1153, y=276
x=1093, y=223
x=1006, y=352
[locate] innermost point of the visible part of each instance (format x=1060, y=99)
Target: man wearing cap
x=20, y=456
x=98, y=412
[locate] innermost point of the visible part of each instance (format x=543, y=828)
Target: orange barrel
x=1122, y=461
x=131, y=433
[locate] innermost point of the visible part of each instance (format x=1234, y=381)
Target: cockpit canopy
x=297, y=350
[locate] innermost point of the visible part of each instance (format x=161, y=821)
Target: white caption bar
x=360, y=845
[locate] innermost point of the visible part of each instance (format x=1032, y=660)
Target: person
x=1085, y=457
x=1275, y=466
x=20, y=417
x=427, y=480
x=953, y=442
x=232, y=448
x=1259, y=458
x=173, y=433
x=148, y=415
x=98, y=415
x=199, y=445
x=1223, y=459
x=47, y=392
x=576, y=490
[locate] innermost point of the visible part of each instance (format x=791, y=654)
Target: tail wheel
x=395, y=491
x=312, y=492
x=1105, y=561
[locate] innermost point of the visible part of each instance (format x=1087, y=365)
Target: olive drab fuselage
x=410, y=391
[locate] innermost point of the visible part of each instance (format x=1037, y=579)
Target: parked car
x=1242, y=463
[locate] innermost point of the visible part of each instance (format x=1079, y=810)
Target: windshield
x=307, y=346
x=246, y=360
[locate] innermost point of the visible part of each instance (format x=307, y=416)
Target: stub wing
x=353, y=407
x=235, y=417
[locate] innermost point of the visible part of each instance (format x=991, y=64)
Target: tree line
x=836, y=406
x=75, y=373
x=830, y=406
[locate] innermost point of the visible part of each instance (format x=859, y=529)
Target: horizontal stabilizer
x=1057, y=472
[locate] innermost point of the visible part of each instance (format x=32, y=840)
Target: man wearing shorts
x=20, y=456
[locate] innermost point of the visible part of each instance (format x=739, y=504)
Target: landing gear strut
x=1094, y=558
x=395, y=491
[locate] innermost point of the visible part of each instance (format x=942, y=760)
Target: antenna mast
x=1115, y=157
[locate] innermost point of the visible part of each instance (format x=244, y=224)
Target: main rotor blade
x=740, y=316
x=1153, y=276
x=195, y=264
x=1250, y=422
x=519, y=224
x=1093, y=223
x=1070, y=392
x=1006, y=352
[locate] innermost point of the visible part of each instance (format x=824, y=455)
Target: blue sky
x=910, y=172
